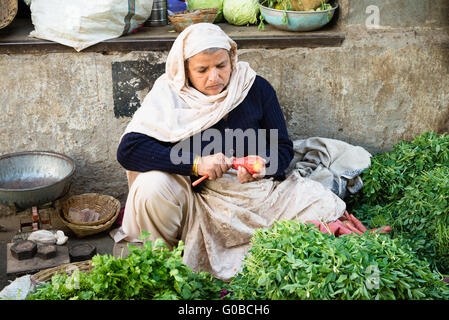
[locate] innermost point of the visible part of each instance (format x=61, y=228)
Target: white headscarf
x=173, y=111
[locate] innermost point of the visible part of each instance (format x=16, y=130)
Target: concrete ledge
x=15, y=39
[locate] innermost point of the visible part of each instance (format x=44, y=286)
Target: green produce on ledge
x=241, y=12
x=297, y=5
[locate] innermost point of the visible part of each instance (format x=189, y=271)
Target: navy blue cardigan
x=259, y=110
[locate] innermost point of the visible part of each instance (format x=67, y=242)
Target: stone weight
x=25, y=249
x=81, y=252
x=46, y=251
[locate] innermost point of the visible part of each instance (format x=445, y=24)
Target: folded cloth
x=334, y=163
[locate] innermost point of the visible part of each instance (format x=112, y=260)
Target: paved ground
x=102, y=241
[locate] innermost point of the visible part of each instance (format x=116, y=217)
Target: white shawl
x=173, y=111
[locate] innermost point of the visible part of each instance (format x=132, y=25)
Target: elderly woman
x=205, y=94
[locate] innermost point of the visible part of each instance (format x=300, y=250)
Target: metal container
x=33, y=178
x=297, y=20
x=158, y=15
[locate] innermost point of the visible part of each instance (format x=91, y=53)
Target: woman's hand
x=244, y=176
x=214, y=165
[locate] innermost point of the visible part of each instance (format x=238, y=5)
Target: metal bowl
x=33, y=178
x=297, y=20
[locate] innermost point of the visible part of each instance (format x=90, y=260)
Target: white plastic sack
x=48, y=237
x=83, y=23
x=18, y=289
x=43, y=236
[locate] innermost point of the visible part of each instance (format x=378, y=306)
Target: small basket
x=107, y=206
x=8, y=11
x=46, y=274
x=186, y=18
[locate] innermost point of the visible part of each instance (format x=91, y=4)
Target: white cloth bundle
x=48, y=237
x=334, y=163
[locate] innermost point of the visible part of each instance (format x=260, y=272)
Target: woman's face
x=210, y=73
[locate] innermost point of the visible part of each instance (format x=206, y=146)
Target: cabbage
x=241, y=12
x=205, y=4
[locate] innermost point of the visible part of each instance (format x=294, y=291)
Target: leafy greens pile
x=146, y=273
x=408, y=189
x=292, y=260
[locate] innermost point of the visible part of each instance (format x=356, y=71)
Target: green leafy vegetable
x=151, y=272
x=296, y=261
x=241, y=12
x=390, y=172
x=408, y=189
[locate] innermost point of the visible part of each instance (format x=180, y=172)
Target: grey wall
x=382, y=85
x=400, y=13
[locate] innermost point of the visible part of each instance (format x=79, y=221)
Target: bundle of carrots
x=346, y=224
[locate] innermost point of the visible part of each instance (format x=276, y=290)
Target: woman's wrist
x=195, y=165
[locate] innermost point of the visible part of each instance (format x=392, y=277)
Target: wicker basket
x=8, y=10
x=107, y=206
x=186, y=18
x=46, y=274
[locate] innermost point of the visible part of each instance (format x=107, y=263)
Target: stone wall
x=382, y=85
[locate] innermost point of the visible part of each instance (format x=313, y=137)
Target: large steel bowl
x=297, y=20
x=33, y=178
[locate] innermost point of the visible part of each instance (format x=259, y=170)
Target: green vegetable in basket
x=241, y=12
x=206, y=4
x=324, y=6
